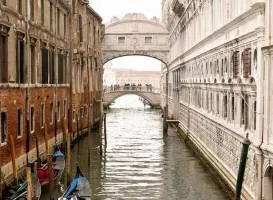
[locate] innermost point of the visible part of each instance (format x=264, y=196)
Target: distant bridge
x=151, y=96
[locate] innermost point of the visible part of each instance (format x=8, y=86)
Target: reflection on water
x=138, y=163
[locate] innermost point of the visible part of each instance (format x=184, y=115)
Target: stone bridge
x=134, y=34
x=151, y=97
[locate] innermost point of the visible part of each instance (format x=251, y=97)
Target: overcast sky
x=109, y=8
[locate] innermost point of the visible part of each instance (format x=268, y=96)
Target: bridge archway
x=134, y=34
x=125, y=54
x=133, y=93
x=153, y=99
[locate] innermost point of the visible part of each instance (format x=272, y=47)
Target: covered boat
x=79, y=188
x=58, y=165
x=20, y=192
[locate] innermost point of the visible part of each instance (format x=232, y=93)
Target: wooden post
x=77, y=126
x=100, y=133
x=46, y=140
x=13, y=158
x=29, y=184
x=165, y=125
x=1, y=183
x=68, y=156
x=34, y=190
x=1, y=176
x=51, y=176
x=37, y=147
x=105, y=135
x=64, y=135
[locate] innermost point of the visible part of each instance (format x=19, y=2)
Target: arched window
x=225, y=106
x=255, y=59
x=225, y=64
x=232, y=107
x=246, y=58
x=244, y=111
x=217, y=104
x=80, y=28
x=235, y=64
x=211, y=102
x=222, y=67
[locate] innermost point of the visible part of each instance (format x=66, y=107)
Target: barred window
x=225, y=106
x=3, y=127
x=20, y=56
x=32, y=63
x=3, y=59
x=42, y=115
x=19, y=123
x=31, y=9
x=121, y=40
x=235, y=63
x=148, y=40
x=232, y=107
x=19, y=6
x=42, y=13
x=32, y=119
x=246, y=58
x=44, y=65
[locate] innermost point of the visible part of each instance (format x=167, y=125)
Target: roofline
x=94, y=12
x=134, y=20
x=65, y=5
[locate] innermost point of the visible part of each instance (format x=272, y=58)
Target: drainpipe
x=242, y=166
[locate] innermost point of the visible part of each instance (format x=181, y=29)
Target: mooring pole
x=29, y=184
x=242, y=166
x=100, y=133
x=165, y=125
x=1, y=183
x=68, y=157
x=51, y=176
x=105, y=135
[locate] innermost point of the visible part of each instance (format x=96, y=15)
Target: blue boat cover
x=73, y=186
x=58, y=153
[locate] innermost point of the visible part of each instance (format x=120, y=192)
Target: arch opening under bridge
x=151, y=97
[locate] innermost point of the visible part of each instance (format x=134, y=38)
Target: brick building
x=50, y=72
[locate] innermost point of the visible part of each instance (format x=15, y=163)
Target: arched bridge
x=150, y=95
x=134, y=34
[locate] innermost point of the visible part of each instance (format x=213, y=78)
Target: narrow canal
x=139, y=163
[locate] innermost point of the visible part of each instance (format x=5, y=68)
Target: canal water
x=138, y=163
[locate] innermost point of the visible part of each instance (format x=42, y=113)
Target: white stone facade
x=220, y=77
x=135, y=35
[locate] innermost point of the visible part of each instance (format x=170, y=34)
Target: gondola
x=58, y=165
x=79, y=188
x=20, y=191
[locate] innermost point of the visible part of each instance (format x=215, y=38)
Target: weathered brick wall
x=13, y=99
